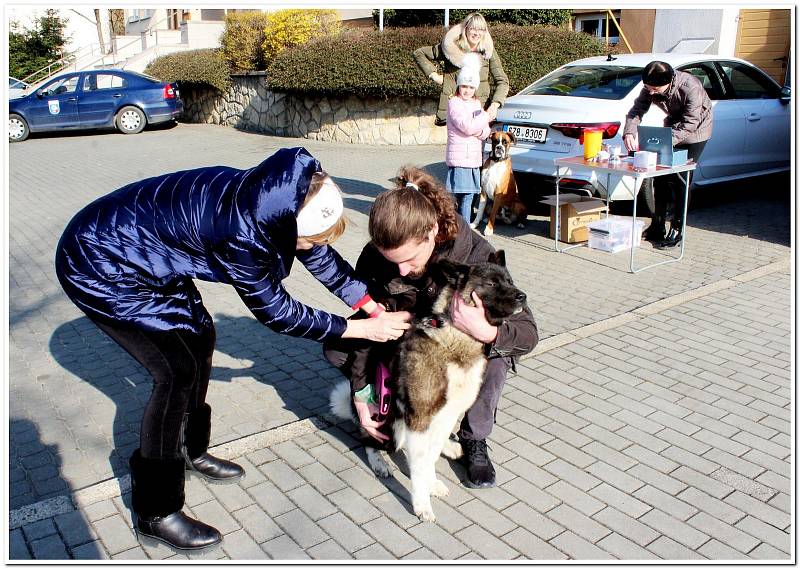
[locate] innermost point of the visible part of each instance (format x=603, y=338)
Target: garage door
x=763, y=39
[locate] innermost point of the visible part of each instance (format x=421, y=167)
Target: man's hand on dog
x=365, y=412
x=472, y=319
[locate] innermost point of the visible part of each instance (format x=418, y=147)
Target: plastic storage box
x=614, y=233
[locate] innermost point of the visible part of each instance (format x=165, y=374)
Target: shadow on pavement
x=34, y=464
x=293, y=367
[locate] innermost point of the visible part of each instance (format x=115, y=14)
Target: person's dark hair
x=409, y=211
x=657, y=73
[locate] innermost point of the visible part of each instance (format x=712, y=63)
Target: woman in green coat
x=471, y=35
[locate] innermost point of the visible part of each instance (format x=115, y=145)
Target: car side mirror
x=786, y=95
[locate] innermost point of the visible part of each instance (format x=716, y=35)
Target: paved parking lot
x=652, y=422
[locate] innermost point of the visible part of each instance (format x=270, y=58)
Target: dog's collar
x=436, y=321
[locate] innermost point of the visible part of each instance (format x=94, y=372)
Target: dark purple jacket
x=130, y=256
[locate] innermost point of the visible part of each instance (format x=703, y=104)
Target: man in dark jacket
x=689, y=113
x=128, y=259
x=411, y=226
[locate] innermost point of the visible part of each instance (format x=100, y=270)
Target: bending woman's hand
x=387, y=326
x=365, y=411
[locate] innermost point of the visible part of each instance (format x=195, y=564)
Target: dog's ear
x=452, y=272
x=512, y=136
x=498, y=258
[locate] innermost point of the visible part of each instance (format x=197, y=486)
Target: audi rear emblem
x=522, y=115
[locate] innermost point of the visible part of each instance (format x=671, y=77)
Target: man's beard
x=418, y=273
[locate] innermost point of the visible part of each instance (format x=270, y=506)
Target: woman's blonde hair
x=337, y=229
x=411, y=209
x=473, y=20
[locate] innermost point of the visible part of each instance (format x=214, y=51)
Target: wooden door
x=763, y=39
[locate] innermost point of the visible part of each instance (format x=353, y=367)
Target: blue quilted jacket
x=130, y=256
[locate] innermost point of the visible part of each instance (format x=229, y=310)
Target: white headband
x=322, y=212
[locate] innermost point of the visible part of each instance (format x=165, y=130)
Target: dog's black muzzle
x=499, y=152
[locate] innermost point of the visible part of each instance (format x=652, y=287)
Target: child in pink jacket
x=467, y=127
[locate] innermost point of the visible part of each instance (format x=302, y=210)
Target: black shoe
x=179, y=531
x=440, y=122
x=215, y=469
x=656, y=231
x=672, y=239
x=480, y=472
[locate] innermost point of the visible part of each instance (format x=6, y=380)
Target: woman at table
x=687, y=106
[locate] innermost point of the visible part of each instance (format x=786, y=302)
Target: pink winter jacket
x=467, y=126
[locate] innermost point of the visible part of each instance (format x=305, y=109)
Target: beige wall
x=637, y=25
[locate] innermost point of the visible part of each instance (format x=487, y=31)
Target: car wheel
x=17, y=128
x=647, y=192
x=131, y=120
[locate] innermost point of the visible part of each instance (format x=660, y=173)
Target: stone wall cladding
x=249, y=105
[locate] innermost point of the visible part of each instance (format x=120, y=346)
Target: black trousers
x=670, y=191
x=180, y=363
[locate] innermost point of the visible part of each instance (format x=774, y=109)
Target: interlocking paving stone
x=624, y=548
x=239, y=545
x=625, y=525
x=621, y=382
x=301, y=528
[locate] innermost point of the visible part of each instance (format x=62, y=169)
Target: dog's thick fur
x=499, y=186
x=436, y=375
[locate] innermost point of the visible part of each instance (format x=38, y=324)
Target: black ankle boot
x=179, y=531
x=480, y=472
x=157, y=496
x=656, y=231
x=215, y=469
x=196, y=437
x=672, y=239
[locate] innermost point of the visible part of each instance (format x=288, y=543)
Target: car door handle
x=753, y=117
x=72, y=99
x=117, y=95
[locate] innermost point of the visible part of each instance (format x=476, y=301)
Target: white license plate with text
x=527, y=133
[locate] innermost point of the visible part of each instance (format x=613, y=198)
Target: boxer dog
x=499, y=186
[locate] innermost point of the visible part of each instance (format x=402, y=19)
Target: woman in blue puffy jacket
x=128, y=259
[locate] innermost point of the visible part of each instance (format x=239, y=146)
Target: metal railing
x=62, y=63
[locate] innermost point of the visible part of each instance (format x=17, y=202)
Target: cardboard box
x=614, y=233
x=576, y=213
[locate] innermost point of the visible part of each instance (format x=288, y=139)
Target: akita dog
x=436, y=375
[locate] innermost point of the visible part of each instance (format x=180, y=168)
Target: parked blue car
x=94, y=99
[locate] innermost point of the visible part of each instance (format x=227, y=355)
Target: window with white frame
x=595, y=25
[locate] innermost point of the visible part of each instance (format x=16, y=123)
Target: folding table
x=565, y=167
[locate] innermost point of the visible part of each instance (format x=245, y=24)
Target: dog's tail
x=341, y=402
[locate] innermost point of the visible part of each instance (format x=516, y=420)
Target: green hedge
x=371, y=63
x=414, y=18
x=199, y=66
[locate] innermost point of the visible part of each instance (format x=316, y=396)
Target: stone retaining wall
x=249, y=105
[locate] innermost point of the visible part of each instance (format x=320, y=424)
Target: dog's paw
x=452, y=449
x=488, y=230
x=425, y=513
x=520, y=225
x=377, y=464
x=440, y=489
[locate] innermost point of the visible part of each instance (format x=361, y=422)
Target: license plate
x=527, y=133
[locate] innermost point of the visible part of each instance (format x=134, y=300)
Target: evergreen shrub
x=375, y=64
x=199, y=66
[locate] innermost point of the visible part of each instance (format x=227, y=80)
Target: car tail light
x=169, y=92
x=574, y=130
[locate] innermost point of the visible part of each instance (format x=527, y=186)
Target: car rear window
x=593, y=81
x=145, y=77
